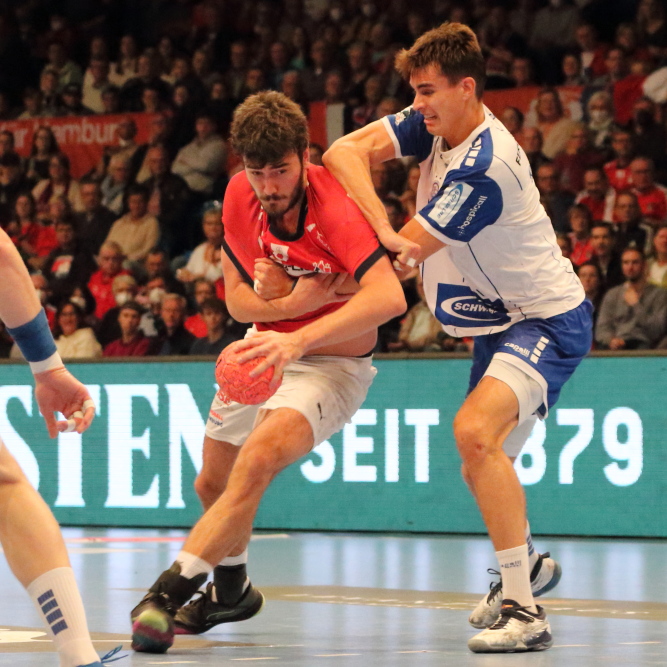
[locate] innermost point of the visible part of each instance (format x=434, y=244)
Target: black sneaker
x=203, y=613
x=153, y=618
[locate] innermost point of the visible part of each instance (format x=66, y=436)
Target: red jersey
x=653, y=203
x=601, y=209
x=619, y=178
x=100, y=287
x=332, y=237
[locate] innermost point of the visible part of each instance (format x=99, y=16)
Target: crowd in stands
x=126, y=258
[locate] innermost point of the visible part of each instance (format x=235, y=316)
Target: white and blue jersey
x=501, y=264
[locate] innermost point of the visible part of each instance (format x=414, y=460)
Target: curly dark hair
x=266, y=127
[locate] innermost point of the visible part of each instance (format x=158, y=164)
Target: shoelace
x=106, y=659
x=495, y=587
x=506, y=613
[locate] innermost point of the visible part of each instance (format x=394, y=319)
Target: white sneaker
x=516, y=629
x=544, y=577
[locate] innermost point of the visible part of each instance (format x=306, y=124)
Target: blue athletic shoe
x=106, y=659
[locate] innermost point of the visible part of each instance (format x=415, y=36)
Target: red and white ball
x=234, y=378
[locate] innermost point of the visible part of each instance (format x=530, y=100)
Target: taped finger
x=72, y=421
x=88, y=403
x=411, y=262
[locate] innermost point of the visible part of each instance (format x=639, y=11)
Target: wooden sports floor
x=366, y=600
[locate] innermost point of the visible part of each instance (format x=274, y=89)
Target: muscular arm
x=349, y=159
x=379, y=299
x=18, y=301
x=310, y=294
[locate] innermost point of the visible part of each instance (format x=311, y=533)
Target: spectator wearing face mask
x=601, y=119
x=132, y=342
x=110, y=261
x=125, y=289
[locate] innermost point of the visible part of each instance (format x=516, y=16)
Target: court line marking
x=170, y=538
x=239, y=659
x=636, y=643
x=335, y=655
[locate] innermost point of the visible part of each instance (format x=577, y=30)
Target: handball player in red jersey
x=301, y=263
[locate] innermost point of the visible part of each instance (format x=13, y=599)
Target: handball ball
x=235, y=382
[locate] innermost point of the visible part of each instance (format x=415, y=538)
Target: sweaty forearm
x=375, y=304
x=351, y=168
x=18, y=301
x=245, y=305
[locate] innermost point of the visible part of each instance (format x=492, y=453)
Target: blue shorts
x=547, y=350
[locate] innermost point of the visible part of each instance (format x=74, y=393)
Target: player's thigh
x=487, y=416
x=218, y=461
x=326, y=390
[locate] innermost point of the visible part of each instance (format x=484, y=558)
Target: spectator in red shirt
x=652, y=197
x=597, y=196
x=580, y=237
x=110, y=261
x=203, y=290
x=618, y=170
x=132, y=342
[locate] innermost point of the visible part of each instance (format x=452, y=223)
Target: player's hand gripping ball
x=235, y=382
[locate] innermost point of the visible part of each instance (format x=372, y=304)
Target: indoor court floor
x=363, y=599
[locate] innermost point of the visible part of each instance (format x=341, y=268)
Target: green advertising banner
x=596, y=466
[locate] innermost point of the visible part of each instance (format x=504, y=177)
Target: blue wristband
x=34, y=338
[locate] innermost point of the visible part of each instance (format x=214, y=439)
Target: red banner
x=522, y=99
x=81, y=138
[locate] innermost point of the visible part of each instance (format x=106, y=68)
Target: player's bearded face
x=279, y=187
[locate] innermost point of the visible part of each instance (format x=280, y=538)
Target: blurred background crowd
x=126, y=257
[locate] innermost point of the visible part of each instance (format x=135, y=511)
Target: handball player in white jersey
x=29, y=533
x=491, y=269
x=302, y=264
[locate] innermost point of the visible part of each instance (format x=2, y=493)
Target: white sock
x=532, y=554
x=57, y=598
x=192, y=565
x=241, y=559
x=515, y=573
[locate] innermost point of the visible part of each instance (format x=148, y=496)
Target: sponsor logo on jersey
x=449, y=203
x=215, y=418
x=402, y=115
x=459, y=306
x=521, y=350
x=471, y=214
x=280, y=252
x=321, y=267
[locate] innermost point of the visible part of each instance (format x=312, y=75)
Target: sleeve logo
x=402, y=115
x=449, y=203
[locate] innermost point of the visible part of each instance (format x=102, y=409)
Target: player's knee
x=466, y=476
x=472, y=441
x=209, y=488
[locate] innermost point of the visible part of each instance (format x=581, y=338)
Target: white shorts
x=326, y=390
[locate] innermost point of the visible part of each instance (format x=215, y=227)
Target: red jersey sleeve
x=240, y=221
x=351, y=238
